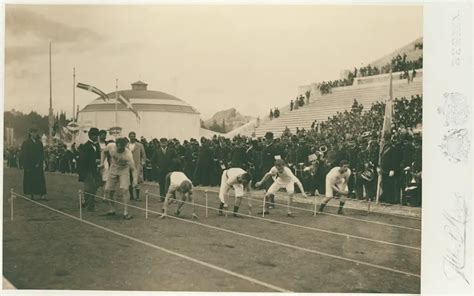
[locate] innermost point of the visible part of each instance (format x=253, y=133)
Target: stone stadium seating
x=322, y=107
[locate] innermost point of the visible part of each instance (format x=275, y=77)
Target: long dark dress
x=32, y=158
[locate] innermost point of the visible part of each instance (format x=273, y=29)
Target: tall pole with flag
x=73, y=94
x=386, y=130
x=51, y=116
x=116, y=102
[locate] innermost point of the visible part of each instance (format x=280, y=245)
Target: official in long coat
x=32, y=159
x=391, y=173
x=202, y=173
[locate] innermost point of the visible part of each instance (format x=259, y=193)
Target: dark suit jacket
x=391, y=159
x=87, y=163
x=268, y=158
x=163, y=162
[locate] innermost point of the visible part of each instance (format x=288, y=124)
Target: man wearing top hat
x=267, y=161
x=88, y=168
x=162, y=161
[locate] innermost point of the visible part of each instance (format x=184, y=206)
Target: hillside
x=226, y=120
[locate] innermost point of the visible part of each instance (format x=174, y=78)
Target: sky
x=251, y=58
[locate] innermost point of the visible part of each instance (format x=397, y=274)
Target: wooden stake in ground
x=146, y=204
x=315, y=206
x=12, y=196
x=80, y=203
x=205, y=194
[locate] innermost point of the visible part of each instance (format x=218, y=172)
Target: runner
x=336, y=185
x=284, y=178
x=178, y=183
x=238, y=179
x=119, y=174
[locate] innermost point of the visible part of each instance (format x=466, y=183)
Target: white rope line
x=340, y=216
x=279, y=243
x=346, y=207
x=306, y=227
x=149, y=183
x=209, y=265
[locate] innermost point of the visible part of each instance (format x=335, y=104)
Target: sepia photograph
x=213, y=148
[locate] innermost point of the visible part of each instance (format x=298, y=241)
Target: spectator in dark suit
x=89, y=160
x=202, y=172
x=390, y=169
x=32, y=159
x=238, y=155
x=162, y=161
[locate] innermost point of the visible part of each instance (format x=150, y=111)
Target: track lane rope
x=357, y=262
x=303, y=227
x=197, y=261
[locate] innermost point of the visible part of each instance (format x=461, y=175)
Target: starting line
x=345, y=235
x=357, y=262
x=209, y=265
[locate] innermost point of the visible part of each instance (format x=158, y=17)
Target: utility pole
x=51, y=116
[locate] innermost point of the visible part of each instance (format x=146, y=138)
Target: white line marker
x=212, y=266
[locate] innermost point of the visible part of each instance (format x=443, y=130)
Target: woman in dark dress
x=32, y=158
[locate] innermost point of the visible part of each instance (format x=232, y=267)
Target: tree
x=223, y=129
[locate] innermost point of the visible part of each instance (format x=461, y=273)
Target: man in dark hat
x=162, y=161
x=32, y=159
x=268, y=158
x=88, y=168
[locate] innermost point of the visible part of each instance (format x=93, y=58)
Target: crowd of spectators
x=300, y=101
x=274, y=113
x=353, y=135
x=399, y=63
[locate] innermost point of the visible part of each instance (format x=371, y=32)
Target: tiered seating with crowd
x=353, y=135
x=398, y=63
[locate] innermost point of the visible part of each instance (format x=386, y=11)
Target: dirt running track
x=43, y=249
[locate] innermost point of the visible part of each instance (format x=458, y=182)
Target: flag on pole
x=129, y=106
x=94, y=90
x=386, y=130
x=388, y=115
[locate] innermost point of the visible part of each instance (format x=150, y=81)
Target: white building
x=162, y=115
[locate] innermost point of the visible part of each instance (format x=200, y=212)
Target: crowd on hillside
x=352, y=135
x=398, y=63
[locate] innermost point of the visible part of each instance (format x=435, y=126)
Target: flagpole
x=116, y=101
x=74, y=94
x=382, y=139
x=50, y=117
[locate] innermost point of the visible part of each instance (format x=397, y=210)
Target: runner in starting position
x=178, y=183
x=238, y=179
x=336, y=185
x=284, y=178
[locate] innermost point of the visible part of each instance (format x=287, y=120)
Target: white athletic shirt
x=336, y=178
x=176, y=178
x=121, y=163
x=285, y=177
x=232, y=175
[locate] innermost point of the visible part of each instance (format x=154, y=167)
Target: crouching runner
x=238, y=179
x=284, y=178
x=176, y=183
x=336, y=185
x=119, y=174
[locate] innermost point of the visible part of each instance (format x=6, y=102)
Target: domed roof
x=142, y=100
